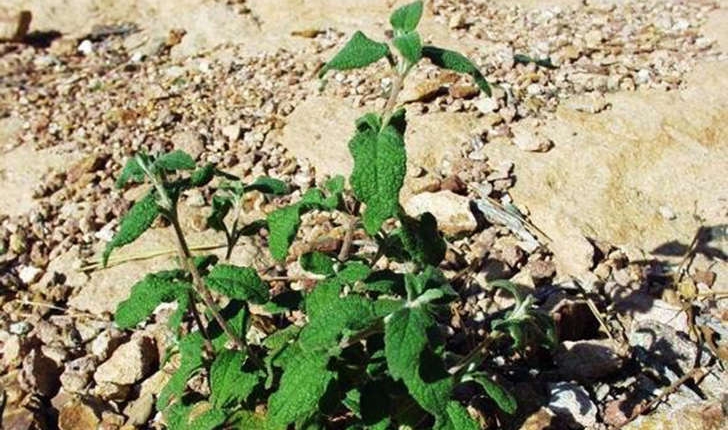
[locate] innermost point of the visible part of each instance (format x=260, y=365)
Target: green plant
x=369, y=355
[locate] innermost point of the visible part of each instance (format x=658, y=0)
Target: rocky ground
x=615, y=157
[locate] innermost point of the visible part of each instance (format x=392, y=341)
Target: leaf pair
x=525, y=324
x=229, y=198
x=362, y=51
x=145, y=211
x=136, y=168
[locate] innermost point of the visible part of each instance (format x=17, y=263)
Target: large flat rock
x=320, y=128
x=613, y=176
x=22, y=167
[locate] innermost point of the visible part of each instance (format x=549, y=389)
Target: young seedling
x=368, y=354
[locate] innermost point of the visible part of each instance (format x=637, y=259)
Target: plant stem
x=348, y=236
x=234, y=235
x=476, y=356
x=391, y=103
x=199, y=285
x=198, y=320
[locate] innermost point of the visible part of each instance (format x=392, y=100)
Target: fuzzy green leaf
x=385, y=281
x=504, y=399
x=139, y=218
x=456, y=417
x=242, y=283
x=452, y=60
x=245, y=420
x=179, y=417
x=428, y=280
x=229, y=384
x=190, y=350
x=183, y=305
x=380, y=164
x=421, y=239
x=221, y=206
x=353, y=271
x=335, y=185
x=359, y=52
x=317, y=262
x=410, y=359
x=236, y=314
x=410, y=46
x=330, y=315
x=406, y=17
x=132, y=172
x=203, y=175
x=146, y=295
x=283, y=223
x=302, y=385
x=175, y=160
x=268, y=185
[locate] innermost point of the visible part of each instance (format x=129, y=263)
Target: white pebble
x=29, y=274
x=667, y=213
x=643, y=76
x=20, y=328
x=86, y=47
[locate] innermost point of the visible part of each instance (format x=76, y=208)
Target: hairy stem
x=348, y=236
x=234, y=235
x=476, y=356
x=198, y=320
x=199, y=285
x=391, y=103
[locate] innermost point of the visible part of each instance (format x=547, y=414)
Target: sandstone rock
x=11, y=345
x=40, y=374
x=451, y=211
x=539, y=420
x=107, y=288
x=587, y=360
x=696, y=416
x=422, y=91
x=111, y=391
x=19, y=419
x=463, y=91
x=77, y=374
x=106, y=342
x=594, y=183
x=189, y=142
x=88, y=164
x=130, y=363
x=487, y=105
x=527, y=138
x=77, y=416
x=572, y=403
x=67, y=265
x=320, y=127
x=574, y=254
x=231, y=132
x=23, y=166
x=139, y=410
x=593, y=102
